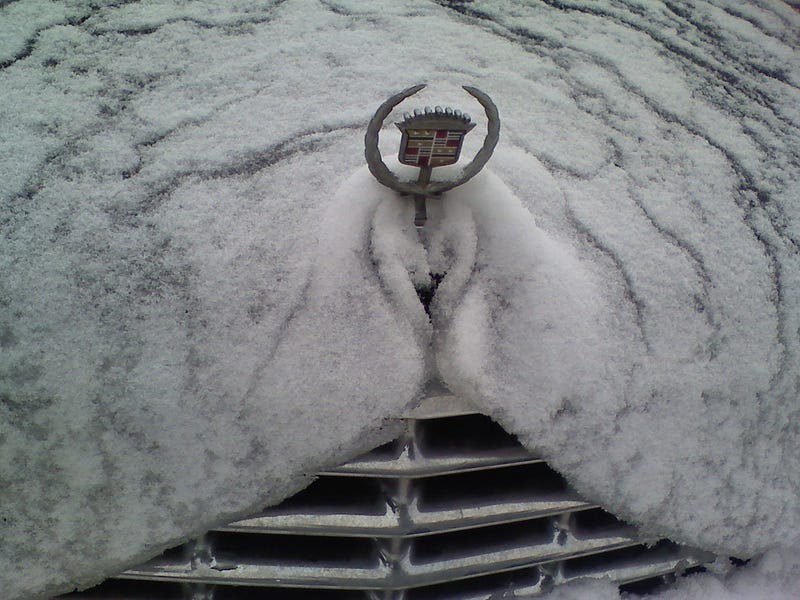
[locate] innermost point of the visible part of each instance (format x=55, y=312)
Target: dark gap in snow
x=694, y=256
x=515, y=34
x=30, y=44
x=233, y=27
x=692, y=57
x=683, y=13
x=78, y=21
x=242, y=166
x=26, y=51
x=630, y=291
x=336, y=9
x=427, y=291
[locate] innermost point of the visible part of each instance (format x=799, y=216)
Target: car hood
x=206, y=298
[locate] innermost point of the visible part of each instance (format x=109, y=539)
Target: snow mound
x=658, y=435
x=771, y=577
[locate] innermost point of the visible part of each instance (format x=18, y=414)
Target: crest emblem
x=433, y=138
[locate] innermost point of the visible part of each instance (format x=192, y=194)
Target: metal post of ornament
x=420, y=209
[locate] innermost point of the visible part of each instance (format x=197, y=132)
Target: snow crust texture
x=772, y=577
x=205, y=297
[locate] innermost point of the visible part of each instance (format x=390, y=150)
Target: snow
x=205, y=297
x=771, y=577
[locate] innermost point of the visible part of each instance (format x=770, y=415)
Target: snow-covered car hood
x=205, y=297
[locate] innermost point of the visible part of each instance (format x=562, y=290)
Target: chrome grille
x=454, y=508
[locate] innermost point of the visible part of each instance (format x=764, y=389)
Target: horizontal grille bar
x=416, y=524
x=379, y=576
x=406, y=467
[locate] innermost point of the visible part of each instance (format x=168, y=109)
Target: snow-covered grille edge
x=454, y=508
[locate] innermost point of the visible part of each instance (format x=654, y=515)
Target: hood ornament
x=431, y=138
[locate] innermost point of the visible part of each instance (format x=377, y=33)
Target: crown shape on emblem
x=436, y=118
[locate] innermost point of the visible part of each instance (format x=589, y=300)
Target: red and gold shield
x=433, y=138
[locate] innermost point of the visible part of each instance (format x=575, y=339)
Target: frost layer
x=192, y=320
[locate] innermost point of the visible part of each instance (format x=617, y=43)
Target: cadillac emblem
x=431, y=138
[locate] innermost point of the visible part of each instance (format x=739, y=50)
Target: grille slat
x=380, y=578
x=405, y=467
x=458, y=563
x=418, y=523
x=454, y=508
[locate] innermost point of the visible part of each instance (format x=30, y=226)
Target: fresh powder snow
x=205, y=297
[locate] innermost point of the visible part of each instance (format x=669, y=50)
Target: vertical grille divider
x=199, y=551
x=395, y=551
